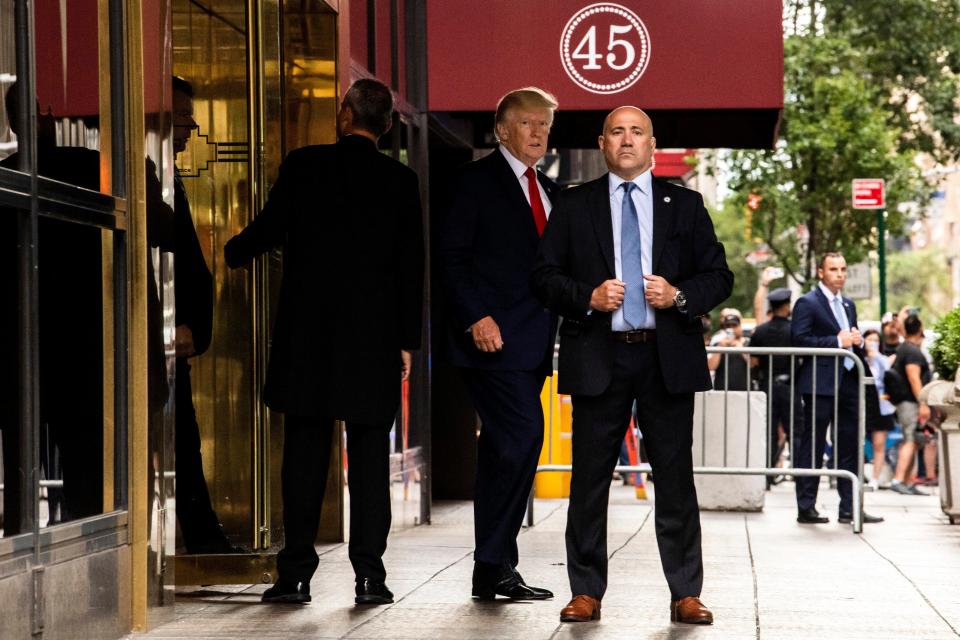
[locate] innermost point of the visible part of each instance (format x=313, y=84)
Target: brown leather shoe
x=690, y=610
x=581, y=609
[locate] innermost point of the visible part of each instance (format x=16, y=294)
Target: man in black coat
x=824, y=319
x=349, y=220
x=193, y=293
x=499, y=334
x=631, y=263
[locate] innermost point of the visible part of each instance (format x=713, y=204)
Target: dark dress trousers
x=488, y=245
x=605, y=376
x=349, y=220
x=814, y=325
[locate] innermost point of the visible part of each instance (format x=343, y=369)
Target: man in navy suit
x=825, y=319
x=632, y=262
x=499, y=335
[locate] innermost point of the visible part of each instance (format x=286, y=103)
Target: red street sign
x=869, y=193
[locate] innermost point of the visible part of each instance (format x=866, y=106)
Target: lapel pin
x=666, y=198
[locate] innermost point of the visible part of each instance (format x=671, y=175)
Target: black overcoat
x=349, y=220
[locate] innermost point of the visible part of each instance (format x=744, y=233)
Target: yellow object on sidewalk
x=557, y=443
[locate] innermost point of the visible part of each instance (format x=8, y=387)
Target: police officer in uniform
x=776, y=333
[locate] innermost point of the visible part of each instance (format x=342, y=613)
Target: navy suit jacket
x=577, y=254
x=814, y=325
x=487, y=249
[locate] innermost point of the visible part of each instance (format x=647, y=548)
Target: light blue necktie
x=634, y=304
x=844, y=323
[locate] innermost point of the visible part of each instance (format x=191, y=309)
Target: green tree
x=915, y=279
x=867, y=85
x=729, y=225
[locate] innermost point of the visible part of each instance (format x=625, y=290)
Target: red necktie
x=539, y=215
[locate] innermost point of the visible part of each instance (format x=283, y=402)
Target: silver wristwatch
x=680, y=300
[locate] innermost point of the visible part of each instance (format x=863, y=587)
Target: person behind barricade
x=824, y=319
x=890, y=326
x=912, y=371
x=775, y=378
x=730, y=372
x=880, y=412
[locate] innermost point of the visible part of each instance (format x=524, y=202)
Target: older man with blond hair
x=499, y=336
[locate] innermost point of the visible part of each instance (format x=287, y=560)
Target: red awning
x=672, y=163
x=710, y=73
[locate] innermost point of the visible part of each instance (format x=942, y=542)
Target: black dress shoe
x=846, y=517
x=372, y=592
x=490, y=581
x=288, y=591
x=811, y=516
x=544, y=594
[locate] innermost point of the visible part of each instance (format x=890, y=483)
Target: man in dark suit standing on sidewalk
x=825, y=319
x=350, y=311
x=631, y=263
x=500, y=336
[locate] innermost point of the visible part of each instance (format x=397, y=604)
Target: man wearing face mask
x=631, y=263
x=500, y=336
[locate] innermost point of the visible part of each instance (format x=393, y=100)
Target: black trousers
x=511, y=437
x=599, y=423
x=198, y=521
x=306, y=461
x=844, y=443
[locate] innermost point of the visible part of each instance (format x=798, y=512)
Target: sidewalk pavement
x=765, y=577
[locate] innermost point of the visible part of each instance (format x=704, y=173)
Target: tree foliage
x=867, y=85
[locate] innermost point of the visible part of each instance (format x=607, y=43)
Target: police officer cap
x=780, y=295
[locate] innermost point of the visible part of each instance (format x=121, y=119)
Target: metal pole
x=882, y=262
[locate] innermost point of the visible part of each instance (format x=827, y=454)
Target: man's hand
x=924, y=414
x=406, y=358
x=486, y=335
x=608, y=296
x=846, y=339
x=856, y=337
x=659, y=292
x=183, y=341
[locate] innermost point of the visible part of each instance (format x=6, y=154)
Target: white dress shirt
x=643, y=201
x=519, y=169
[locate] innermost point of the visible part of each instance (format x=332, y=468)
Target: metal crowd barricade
x=793, y=353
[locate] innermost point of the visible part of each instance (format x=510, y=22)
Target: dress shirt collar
x=518, y=167
x=644, y=181
x=830, y=295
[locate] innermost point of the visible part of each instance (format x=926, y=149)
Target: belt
x=635, y=336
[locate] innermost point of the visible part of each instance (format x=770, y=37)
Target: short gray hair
x=372, y=105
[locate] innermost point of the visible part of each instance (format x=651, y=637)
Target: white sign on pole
x=858, y=285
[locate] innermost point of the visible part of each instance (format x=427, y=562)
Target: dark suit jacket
x=349, y=220
x=814, y=325
x=488, y=245
x=576, y=255
x=193, y=283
